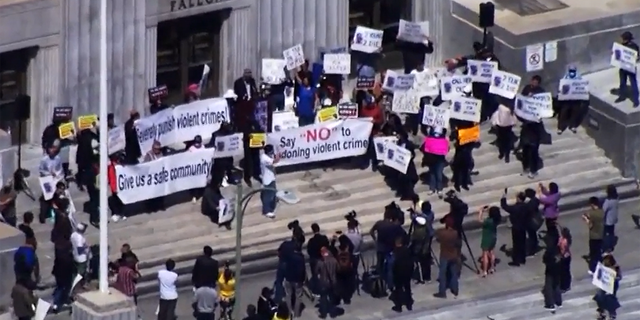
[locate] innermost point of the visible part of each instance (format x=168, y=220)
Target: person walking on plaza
x=268, y=159
x=552, y=271
x=610, y=208
x=206, y=301
x=450, y=245
x=564, y=244
x=23, y=299
x=608, y=302
x=168, y=292
x=595, y=222
x=327, y=281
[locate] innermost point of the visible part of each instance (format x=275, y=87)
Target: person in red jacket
x=371, y=110
x=115, y=204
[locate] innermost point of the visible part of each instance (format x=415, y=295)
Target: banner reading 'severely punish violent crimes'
x=171, y=174
x=322, y=141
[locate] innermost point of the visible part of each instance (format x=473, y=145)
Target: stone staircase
x=577, y=304
x=180, y=232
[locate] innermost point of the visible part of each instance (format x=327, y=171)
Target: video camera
x=395, y=212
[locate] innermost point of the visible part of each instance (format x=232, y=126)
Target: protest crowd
x=301, y=113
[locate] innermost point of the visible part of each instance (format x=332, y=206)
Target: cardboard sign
x=273, y=71
x=394, y=81
x=327, y=114
x=366, y=40
x=86, y=122
x=624, y=58
x=397, y=157
x=337, y=63
x=380, y=144
x=504, y=84
x=535, y=107
x=405, y=102
x=426, y=83
x=435, y=116
x=604, y=278
x=480, y=71
x=365, y=83
x=573, y=89
x=293, y=57
x=257, y=140
x=468, y=135
x=347, y=110
x=437, y=146
x=416, y=32
x=158, y=92
x=453, y=86
x=466, y=109
x=283, y=120
x=66, y=130
x=62, y=113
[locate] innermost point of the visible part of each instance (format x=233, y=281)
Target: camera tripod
x=463, y=236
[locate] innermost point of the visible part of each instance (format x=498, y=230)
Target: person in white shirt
x=268, y=159
x=196, y=145
x=80, y=250
x=168, y=292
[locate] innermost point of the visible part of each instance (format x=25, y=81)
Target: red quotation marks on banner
x=318, y=134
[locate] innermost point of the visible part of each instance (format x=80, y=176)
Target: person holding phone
x=517, y=216
x=490, y=218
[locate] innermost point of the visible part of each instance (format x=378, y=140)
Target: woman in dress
x=489, y=238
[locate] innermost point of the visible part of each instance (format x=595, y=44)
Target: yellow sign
x=328, y=114
x=86, y=122
x=257, y=140
x=469, y=135
x=66, y=130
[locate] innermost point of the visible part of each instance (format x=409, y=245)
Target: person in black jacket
x=624, y=90
x=518, y=213
x=295, y=275
x=245, y=87
x=402, y=271
x=205, y=270
x=413, y=54
x=532, y=223
x=317, y=242
x=551, y=260
x=266, y=304
x=531, y=134
x=132, y=146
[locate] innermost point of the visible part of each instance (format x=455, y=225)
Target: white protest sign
x=293, y=57
x=289, y=99
x=366, y=40
x=337, y=63
x=226, y=210
x=322, y=141
x=41, y=309
x=48, y=185
x=426, y=83
x=405, y=102
x=282, y=121
x=532, y=108
x=623, y=57
x=453, y=86
x=544, y=104
x=397, y=157
x=504, y=84
x=381, y=143
x=396, y=81
x=416, y=32
x=604, y=278
x=273, y=71
x=480, y=71
x=204, y=79
x=466, y=109
x=573, y=89
x=229, y=146
x=435, y=116
x=117, y=140
x=182, y=123
x=165, y=176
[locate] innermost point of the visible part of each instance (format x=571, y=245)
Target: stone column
x=95, y=305
x=152, y=56
x=239, y=46
x=44, y=88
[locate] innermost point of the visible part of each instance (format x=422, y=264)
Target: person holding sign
x=571, y=111
x=306, y=101
x=408, y=180
x=503, y=121
x=132, y=146
x=531, y=134
x=370, y=109
x=466, y=135
x=624, y=91
x=414, y=54
x=23, y=299
x=607, y=302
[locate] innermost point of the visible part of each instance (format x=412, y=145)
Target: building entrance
x=13, y=81
x=184, y=47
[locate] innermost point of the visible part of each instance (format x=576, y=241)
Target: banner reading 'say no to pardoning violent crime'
x=322, y=141
x=182, y=123
x=171, y=174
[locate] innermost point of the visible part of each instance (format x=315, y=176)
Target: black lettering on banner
x=188, y=120
x=190, y=170
x=355, y=144
x=149, y=179
x=146, y=134
x=166, y=127
x=213, y=117
x=295, y=153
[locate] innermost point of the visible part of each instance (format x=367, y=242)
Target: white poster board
x=504, y=84
x=226, y=210
x=337, y=63
x=284, y=120
x=624, y=58
x=436, y=116
x=397, y=157
x=41, y=309
x=573, y=89
x=228, y=146
x=604, y=278
x=416, y=32
x=405, y=102
x=394, y=81
x=117, y=140
x=366, y=40
x=535, y=107
x=426, y=83
x=289, y=99
x=466, y=109
x=273, y=71
x=48, y=185
x=381, y=143
x=453, y=86
x=480, y=71
x=293, y=57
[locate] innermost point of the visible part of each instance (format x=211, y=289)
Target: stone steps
x=577, y=304
x=180, y=232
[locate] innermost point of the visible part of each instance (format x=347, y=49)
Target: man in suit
x=245, y=87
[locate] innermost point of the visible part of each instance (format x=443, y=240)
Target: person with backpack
x=344, y=272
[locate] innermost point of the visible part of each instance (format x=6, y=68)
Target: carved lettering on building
x=178, y=5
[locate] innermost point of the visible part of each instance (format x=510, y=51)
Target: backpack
x=344, y=261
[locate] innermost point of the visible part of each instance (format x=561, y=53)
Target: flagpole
x=104, y=218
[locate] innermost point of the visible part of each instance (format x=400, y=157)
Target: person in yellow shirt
x=227, y=291
x=283, y=312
